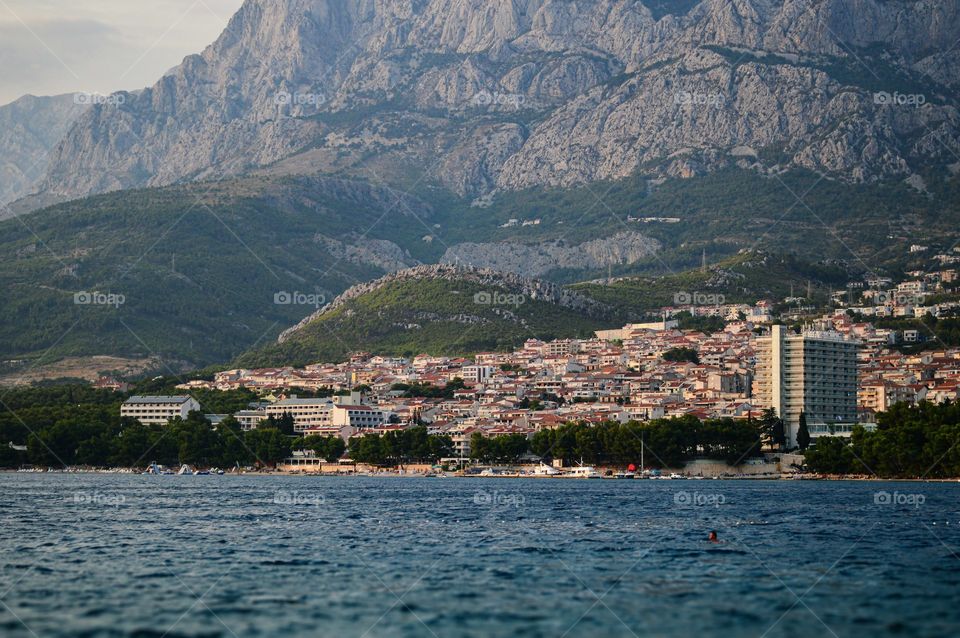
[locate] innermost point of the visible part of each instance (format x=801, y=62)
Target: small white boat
x=584, y=471
x=545, y=470
x=625, y=475
x=185, y=470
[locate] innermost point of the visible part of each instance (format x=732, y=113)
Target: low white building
x=153, y=410
x=358, y=416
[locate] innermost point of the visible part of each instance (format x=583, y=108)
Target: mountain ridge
x=525, y=93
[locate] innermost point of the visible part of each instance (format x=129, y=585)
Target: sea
x=156, y=556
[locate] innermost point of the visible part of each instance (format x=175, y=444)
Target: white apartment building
x=306, y=413
x=814, y=372
x=153, y=410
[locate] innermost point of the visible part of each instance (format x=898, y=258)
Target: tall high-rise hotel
x=814, y=372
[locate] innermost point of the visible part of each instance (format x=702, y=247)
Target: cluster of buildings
x=879, y=297
x=838, y=372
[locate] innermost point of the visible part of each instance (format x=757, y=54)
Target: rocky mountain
x=29, y=129
x=500, y=95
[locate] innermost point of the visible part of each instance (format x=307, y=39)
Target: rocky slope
x=536, y=260
x=511, y=94
x=29, y=129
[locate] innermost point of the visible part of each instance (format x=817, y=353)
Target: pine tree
x=803, y=434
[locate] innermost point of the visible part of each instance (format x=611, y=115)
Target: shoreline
x=417, y=475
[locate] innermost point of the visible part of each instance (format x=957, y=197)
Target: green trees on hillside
x=424, y=390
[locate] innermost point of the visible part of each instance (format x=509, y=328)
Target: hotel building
x=158, y=410
x=815, y=373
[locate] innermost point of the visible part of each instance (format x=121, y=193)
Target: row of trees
x=412, y=445
x=329, y=448
x=508, y=448
x=920, y=441
x=665, y=442
x=116, y=442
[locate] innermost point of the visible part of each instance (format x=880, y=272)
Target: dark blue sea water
x=101, y=555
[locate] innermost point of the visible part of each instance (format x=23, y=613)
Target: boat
x=185, y=470
x=676, y=476
x=625, y=475
x=202, y=473
x=584, y=471
x=545, y=470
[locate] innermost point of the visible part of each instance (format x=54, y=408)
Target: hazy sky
x=49, y=47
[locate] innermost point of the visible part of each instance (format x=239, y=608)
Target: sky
x=49, y=47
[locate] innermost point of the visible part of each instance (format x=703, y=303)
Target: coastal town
x=638, y=373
